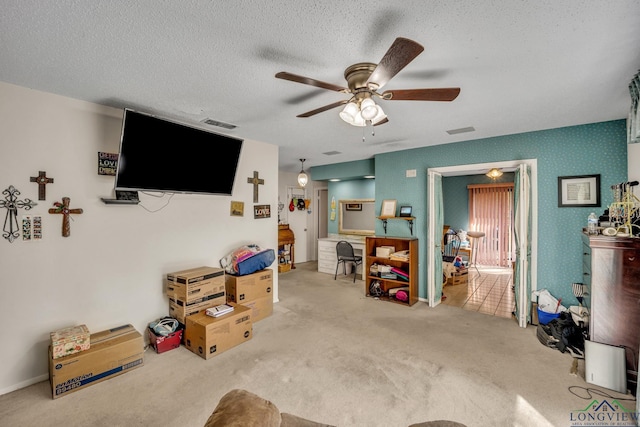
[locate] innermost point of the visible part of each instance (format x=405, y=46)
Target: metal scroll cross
x=63, y=208
x=12, y=204
x=42, y=181
x=255, y=181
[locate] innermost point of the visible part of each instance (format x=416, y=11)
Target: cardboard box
x=283, y=268
x=260, y=308
x=70, y=340
x=194, y=284
x=113, y=352
x=384, y=251
x=459, y=278
x=162, y=343
x=180, y=310
x=250, y=286
x=209, y=336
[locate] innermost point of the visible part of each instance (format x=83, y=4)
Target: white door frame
x=477, y=169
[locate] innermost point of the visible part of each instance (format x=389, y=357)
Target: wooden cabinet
x=612, y=272
x=410, y=266
x=286, y=248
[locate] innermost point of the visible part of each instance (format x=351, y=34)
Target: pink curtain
x=491, y=211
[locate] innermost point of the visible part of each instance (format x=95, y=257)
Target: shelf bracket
x=384, y=225
x=410, y=221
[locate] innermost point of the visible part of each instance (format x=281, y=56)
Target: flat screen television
x=158, y=154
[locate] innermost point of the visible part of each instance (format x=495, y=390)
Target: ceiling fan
x=365, y=79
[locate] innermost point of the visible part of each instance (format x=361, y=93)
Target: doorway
x=526, y=227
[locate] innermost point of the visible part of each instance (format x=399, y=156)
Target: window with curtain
x=491, y=211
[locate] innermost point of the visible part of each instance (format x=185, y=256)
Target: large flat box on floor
x=261, y=308
x=113, y=352
x=180, y=310
x=209, y=336
x=194, y=284
x=250, y=286
x=70, y=340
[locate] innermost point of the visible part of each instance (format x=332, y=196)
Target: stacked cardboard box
x=253, y=291
x=194, y=290
x=112, y=352
x=208, y=336
x=459, y=277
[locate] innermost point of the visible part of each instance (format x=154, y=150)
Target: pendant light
x=303, y=178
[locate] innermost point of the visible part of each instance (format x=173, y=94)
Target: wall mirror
x=357, y=216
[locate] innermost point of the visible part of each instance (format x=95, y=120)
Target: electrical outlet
x=411, y=173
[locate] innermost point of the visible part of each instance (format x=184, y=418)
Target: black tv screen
x=158, y=154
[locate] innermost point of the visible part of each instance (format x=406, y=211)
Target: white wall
x=110, y=270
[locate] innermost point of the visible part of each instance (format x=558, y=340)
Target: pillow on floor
x=240, y=408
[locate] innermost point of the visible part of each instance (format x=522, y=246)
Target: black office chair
x=345, y=254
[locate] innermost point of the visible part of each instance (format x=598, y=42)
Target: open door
x=522, y=275
x=434, y=239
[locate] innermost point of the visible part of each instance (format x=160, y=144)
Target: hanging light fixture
x=494, y=173
x=362, y=112
x=303, y=178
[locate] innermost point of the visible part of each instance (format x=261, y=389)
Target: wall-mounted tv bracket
x=11, y=231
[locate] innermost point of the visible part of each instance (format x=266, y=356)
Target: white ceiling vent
x=461, y=130
x=331, y=153
x=219, y=124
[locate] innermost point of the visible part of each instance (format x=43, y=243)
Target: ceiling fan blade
x=321, y=109
x=383, y=121
x=309, y=81
x=399, y=55
x=441, y=94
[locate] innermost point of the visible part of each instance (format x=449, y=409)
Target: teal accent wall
x=344, y=190
x=344, y=171
x=598, y=148
x=456, y=197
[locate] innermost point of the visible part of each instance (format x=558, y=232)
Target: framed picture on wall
x=388, y=209
x=579, y=191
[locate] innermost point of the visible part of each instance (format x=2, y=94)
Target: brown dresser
x=612, y=273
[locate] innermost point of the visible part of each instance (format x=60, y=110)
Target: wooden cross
x=63, y=208
x=42, y=181
x=255, y=181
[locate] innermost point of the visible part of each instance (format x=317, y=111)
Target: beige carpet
x=332, y=355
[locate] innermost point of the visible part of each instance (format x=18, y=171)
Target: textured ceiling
x=521, y=65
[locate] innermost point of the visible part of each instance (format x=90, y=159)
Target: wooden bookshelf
x=410, y=266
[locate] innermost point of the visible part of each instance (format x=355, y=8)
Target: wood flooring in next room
x=488, y=291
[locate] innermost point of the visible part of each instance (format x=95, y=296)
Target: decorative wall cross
x=63, y=208
x=42, y=181
x=255, y=181
x=12, y=204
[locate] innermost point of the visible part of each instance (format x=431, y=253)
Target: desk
x=327, y=257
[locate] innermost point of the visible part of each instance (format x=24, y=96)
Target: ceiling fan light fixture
x=494, y=173
x=359, y=120
x=348, y=114
x=379, y=117
x=369, y=109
